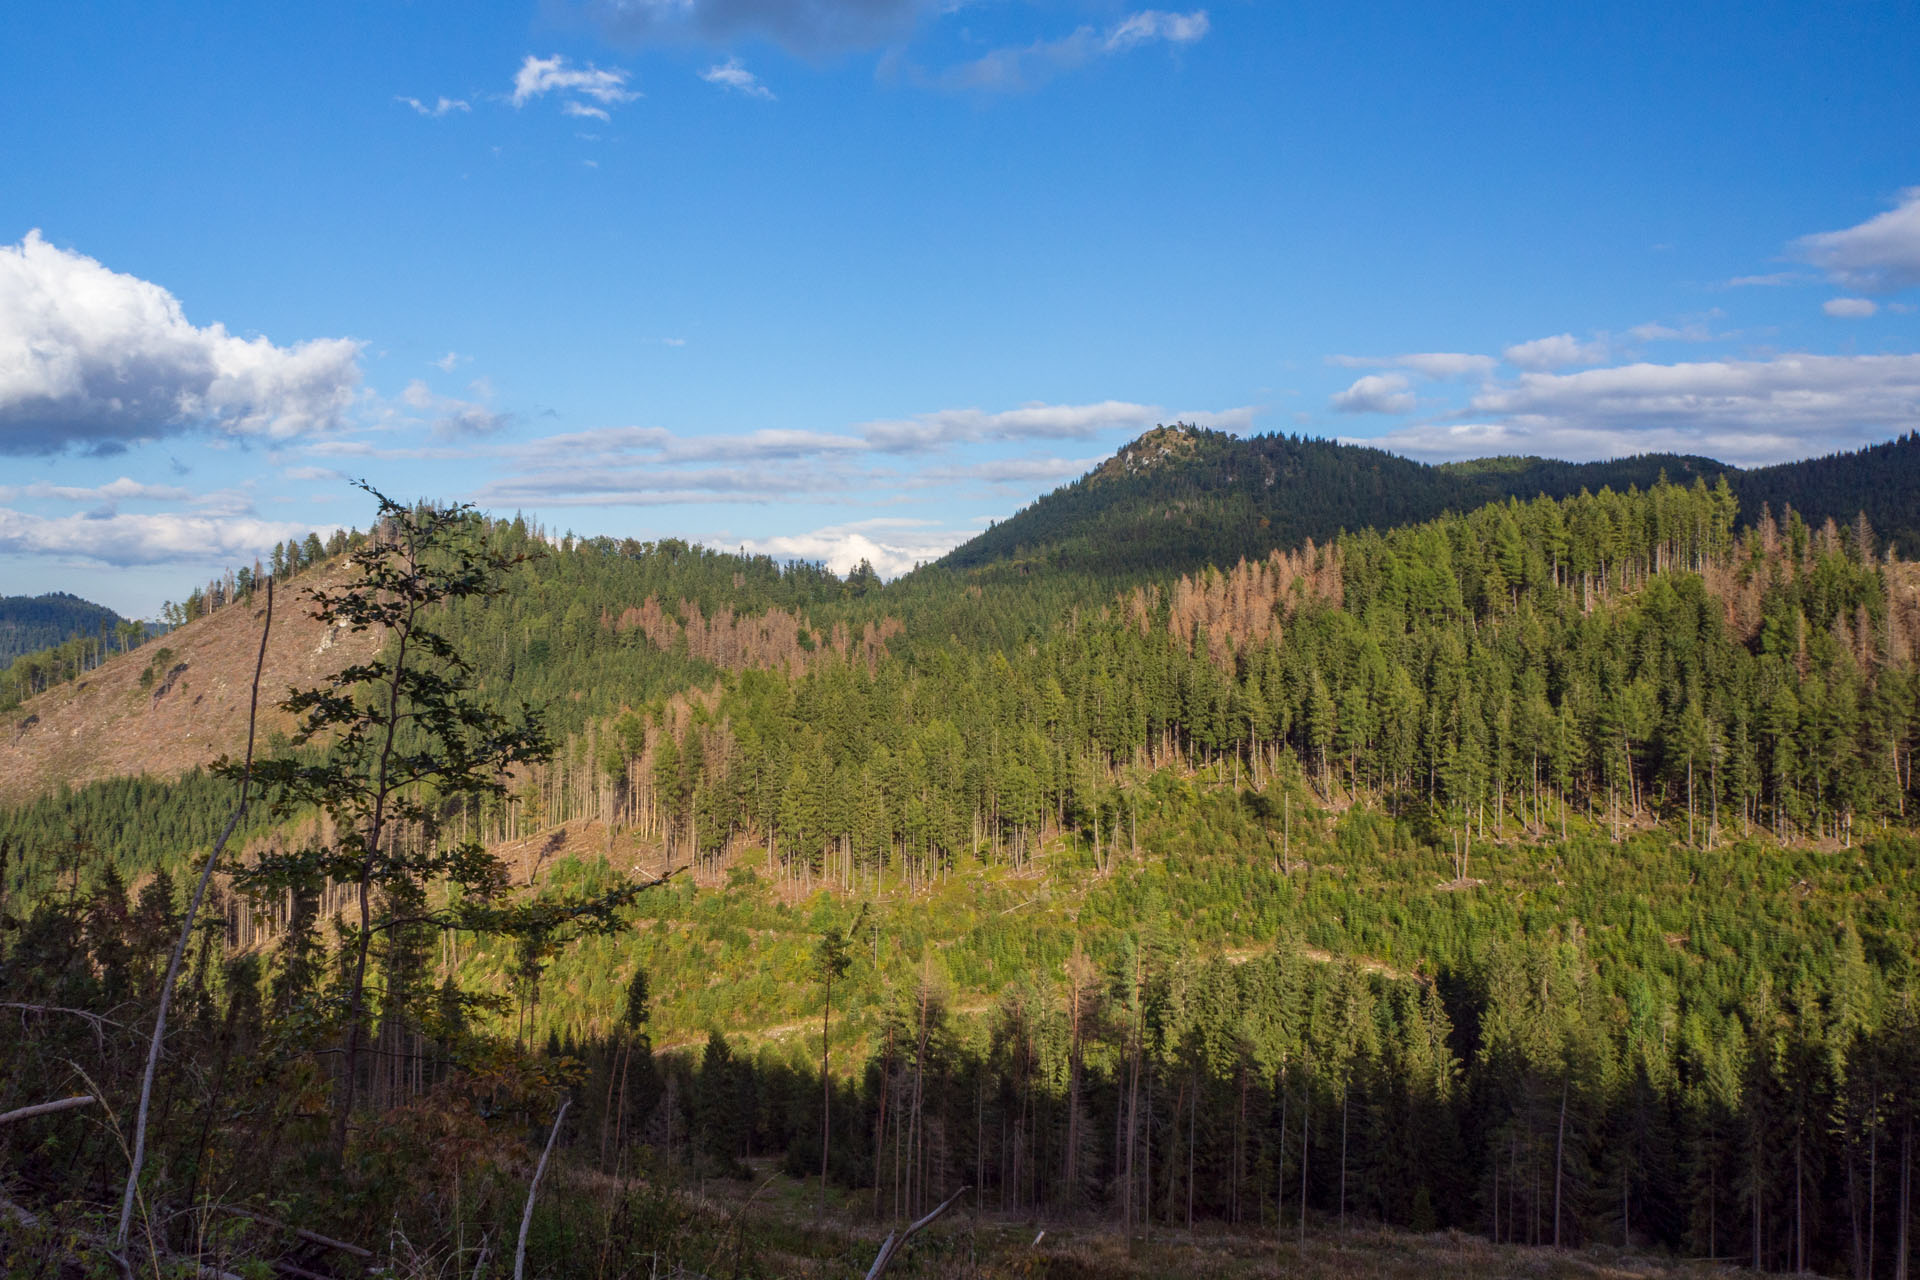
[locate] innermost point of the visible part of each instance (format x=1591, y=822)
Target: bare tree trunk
x=1904, y=1248
x=533, y=1189
x=180, y=948
x=1559, y=1160
x=1306, y=1126
x=826, y=1098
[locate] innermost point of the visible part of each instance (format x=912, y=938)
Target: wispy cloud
x=1879, y=255
x=1026, y=66
x=125, y=540
x=1790, y=406
x=1771, y=280
x=440, y=107
x=804, y=26
x=604, y=86
x=732, y=74
x=1692, y=331
x=124, y=489
x=1029, y=422
x=94, y=359
x=451, y=417
x=1428, y=364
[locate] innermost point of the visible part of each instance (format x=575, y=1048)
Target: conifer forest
x=1253, y=847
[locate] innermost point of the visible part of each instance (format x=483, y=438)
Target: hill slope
x=1182, y=497
x=31, y=623
x=165, y=707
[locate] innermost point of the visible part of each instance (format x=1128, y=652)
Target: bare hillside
x=191, y=711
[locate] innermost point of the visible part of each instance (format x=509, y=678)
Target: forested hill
x=1180, y=497
x=31, y=623
x=1547, y=871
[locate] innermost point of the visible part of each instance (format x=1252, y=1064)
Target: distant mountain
x=1180, y=497
x=31, y=623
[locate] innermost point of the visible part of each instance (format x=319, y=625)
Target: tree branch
x=46, y=1108
x=891, y=1246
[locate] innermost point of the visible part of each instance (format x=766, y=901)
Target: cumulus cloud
x=437, y=109
x=803, y=26
x=1428, y=364
x=1025, y=66
x=123, y=540
x=1877, y=256
x=1561, y=351
x=891, y=546
x=95, y=359
x=1850, y=308
x=538, y=77
x=732, y=74
x=1376, y=393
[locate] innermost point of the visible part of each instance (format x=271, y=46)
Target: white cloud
x=441, y=107
x=1447, y=442
x=1879, y=255
x=1237, y=421
x=449, y=362
x=124, y=489
x=95, y=359
x=1850, y=308
x=1024, y=66
x=540, y=76
x=731, y=74
x=1560, y=351
x=1654, y=332
x=584, y=111
x=453, y=417
x=1154, y=24
x=1790, y=406
x=1428, y=364
x=1009, y=471
x=1772, y=280
x=805, y=26
x=312, y=474
x=892, y=547
x=141, y=539
x=1029, y=422
x=1376, y=393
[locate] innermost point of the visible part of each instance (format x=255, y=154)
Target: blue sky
x=829, y=279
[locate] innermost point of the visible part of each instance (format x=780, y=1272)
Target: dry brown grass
x=106, y=725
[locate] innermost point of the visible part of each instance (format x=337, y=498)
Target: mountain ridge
x=1179, y=497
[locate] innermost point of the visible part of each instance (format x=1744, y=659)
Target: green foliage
x=1544, y=870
